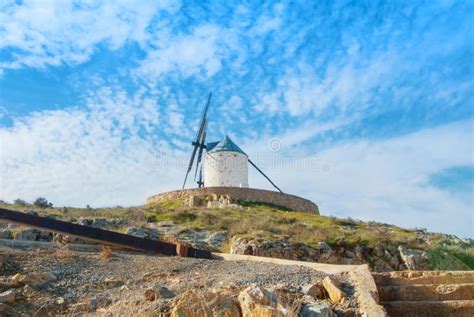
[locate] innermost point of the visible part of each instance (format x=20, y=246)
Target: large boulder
x=33, y=235
x=102, y=223
x=258, y=301
x=141, y=232
x=274, y=249
x=216, y=240
x=283, y=249
x=200, y=239
x=205, y=303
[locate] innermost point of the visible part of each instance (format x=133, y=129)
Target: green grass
x=466, y=257
x=441, y=260
x=272, y=222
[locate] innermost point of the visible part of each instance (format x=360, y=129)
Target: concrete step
x=455, y=308
x=424, y=292
x=423, y=277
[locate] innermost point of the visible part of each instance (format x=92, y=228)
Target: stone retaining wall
x=259, y=195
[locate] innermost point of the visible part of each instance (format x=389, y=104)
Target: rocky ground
x=42, y=282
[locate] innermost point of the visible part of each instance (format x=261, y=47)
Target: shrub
x=42, y=202
x=20, y=202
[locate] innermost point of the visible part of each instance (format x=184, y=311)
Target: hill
x=267, y=230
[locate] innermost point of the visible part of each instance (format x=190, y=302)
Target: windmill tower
x=225, y=164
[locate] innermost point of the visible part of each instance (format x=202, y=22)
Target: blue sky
x=370, y=102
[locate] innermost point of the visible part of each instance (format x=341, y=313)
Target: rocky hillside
x=266, y=230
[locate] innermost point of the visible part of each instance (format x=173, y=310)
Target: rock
x=349, y=254
x=332, y=288
x=12, y=226
x=6, y=234
x=380, y=265
x=27, y=290
x=102, y=223
x=274, y=249
x=141, y=233
x=112, y=283
x=158, y=291
x=33, y=235
x=325, y=252
x=414, y=259
x=201, y=239
x=359, y=252
x=314, y=290
x=258, y=301
x=61, y=302
x=33, y=278
x=316, y=309
x=8, y=296
x=71, y=239
x=216, y=240
x=379, y=250
x=203, y=303
x=93, y=305
x=195, y=201
x=86, y=306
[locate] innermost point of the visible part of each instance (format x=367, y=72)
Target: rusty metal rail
x=101, y=235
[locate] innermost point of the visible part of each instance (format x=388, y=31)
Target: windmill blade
x=197, y=143
x=201, y=148
x=200, y=182
x=191, y=161
x=252, y=163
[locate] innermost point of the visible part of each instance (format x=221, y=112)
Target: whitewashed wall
x=226, y=169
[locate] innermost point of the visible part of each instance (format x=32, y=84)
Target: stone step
x=423, y=292
x=423, y=277
x=455, y=308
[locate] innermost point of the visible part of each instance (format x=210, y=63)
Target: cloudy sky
x=365, y=107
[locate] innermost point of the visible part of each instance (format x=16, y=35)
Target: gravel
x=82, y=277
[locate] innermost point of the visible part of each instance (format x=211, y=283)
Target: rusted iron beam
x=100, y=235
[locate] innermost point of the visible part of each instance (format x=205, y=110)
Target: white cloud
x=382, y=180
x=344, y=85
x=199, y=52
x=55, y=32
x=268, y=23
x=95, y=155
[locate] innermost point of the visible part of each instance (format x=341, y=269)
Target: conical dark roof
x=225, y=145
